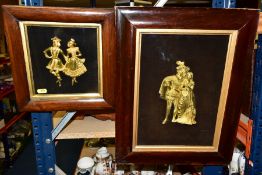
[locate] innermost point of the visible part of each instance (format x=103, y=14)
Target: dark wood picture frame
x=23, y=28
x=134, y=26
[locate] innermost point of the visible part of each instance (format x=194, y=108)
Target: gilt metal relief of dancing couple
x=74, y=64
x=177, y=90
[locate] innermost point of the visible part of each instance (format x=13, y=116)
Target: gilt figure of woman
x=74, y=66
x=177, y=90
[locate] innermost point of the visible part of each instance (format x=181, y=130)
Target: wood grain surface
x=130, y=19
x=14, y=14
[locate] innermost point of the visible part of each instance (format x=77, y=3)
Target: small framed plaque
x=62, y=58
x=181, y=83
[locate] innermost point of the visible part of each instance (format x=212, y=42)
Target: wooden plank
x=89, y=127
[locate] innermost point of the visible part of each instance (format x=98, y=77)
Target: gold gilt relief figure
x=55, y=65
x=177, y=90
x=74, y=66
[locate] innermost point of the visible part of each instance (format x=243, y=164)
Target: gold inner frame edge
x=223, y=94
x=27, y=57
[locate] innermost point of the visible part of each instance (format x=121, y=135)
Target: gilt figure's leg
x=168, y=108
x=175, y=111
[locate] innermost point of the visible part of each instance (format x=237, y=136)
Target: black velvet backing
x=39, y=38
x=205, y=55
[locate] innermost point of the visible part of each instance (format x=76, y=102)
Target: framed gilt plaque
x=181, y=83
x=62, y=58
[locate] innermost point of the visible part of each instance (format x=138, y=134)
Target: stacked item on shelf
x=8, y=106
x=17, y=136
x=14, y=132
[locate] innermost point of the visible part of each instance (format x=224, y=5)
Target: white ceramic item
x=102, y=153
x=85, y=164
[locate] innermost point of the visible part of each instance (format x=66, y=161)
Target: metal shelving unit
x=254, y=163
x=5, y=92
x=44, y=146
x=223, y=3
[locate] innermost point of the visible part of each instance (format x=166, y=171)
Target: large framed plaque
x=181, y=80
x=62, y=58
